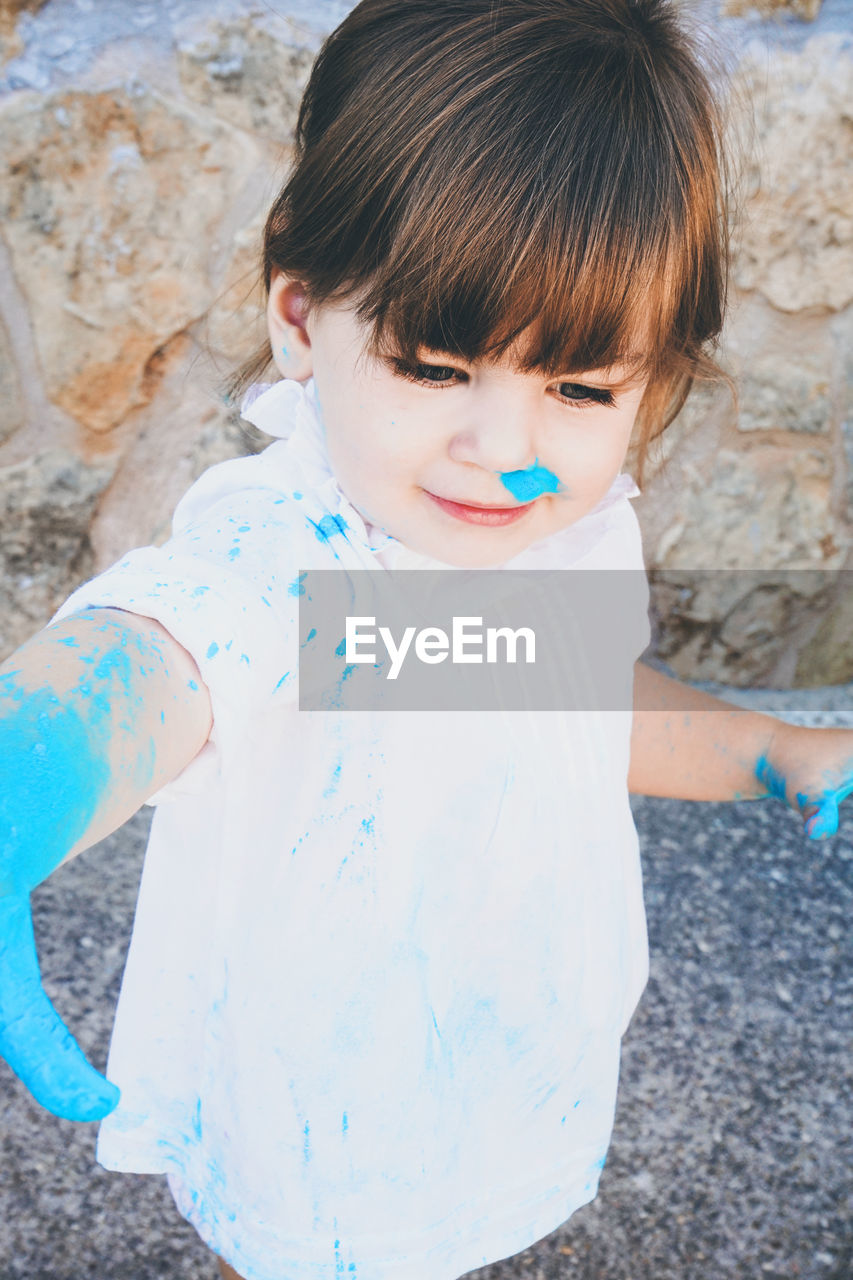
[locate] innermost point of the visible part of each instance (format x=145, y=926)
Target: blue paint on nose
x=531, y=482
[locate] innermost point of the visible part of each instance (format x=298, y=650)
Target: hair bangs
x=574, y=276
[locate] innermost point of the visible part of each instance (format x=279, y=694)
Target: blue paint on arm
x=771, y=778
x=58, y=748
x=531, y=482
x=33, y=1039
x=56, y=772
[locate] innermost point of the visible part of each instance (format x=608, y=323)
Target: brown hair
x=468, y=171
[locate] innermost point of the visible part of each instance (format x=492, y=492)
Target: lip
x=492, y=516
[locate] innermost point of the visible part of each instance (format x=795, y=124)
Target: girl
x=381, y=965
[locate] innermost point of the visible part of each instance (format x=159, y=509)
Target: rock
x=747, y=563
x=46, y=506
x=828, y=658
x=111, y=209
x=11, y=8
x=787, y=392
x=768, y=507
x=171, y=442
x=786, y=367
x=796, y=244
x=804, y=9
x=741, y=627
x=12, y=412
x=235, y=327
x=248, y=76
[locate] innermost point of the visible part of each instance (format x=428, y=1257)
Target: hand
x=33, y=1039
x=811, y=770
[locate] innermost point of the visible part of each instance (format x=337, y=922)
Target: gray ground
x=732, y=1154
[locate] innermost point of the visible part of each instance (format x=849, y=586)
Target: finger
x=825, y=821
x=33, y=1039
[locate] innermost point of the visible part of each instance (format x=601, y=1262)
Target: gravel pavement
x=732, y=1154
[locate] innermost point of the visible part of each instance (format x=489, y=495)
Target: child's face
x=429, y=458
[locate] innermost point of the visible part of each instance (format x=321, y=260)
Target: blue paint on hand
x=57, y=771
x=33, y=1040
x=824, y=822
x=530, y=483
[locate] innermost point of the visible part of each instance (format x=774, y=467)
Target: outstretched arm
x=691, y=746
x=96, y=714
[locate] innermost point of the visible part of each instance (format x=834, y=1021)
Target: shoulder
x=262, y=481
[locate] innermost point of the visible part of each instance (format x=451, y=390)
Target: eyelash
x=415, y=373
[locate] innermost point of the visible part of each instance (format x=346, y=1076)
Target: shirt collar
x=289, y=410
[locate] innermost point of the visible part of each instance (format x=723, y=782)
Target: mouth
x=473, y=514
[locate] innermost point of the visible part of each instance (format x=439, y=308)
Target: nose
x=497, y=433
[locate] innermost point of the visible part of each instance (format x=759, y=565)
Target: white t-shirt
x=381, y=962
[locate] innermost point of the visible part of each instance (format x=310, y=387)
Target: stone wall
x=142, y=143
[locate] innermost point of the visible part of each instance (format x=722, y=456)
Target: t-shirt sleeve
x=225, y=586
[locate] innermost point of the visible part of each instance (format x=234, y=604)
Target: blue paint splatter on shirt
x=213, y=650
x=329, y=526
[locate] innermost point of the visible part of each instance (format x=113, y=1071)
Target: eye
x=431, y=375
x=578, y=394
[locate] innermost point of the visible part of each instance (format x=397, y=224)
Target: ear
x=287, y=312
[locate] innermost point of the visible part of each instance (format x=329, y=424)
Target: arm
x=96, y=713
x=692, y=746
